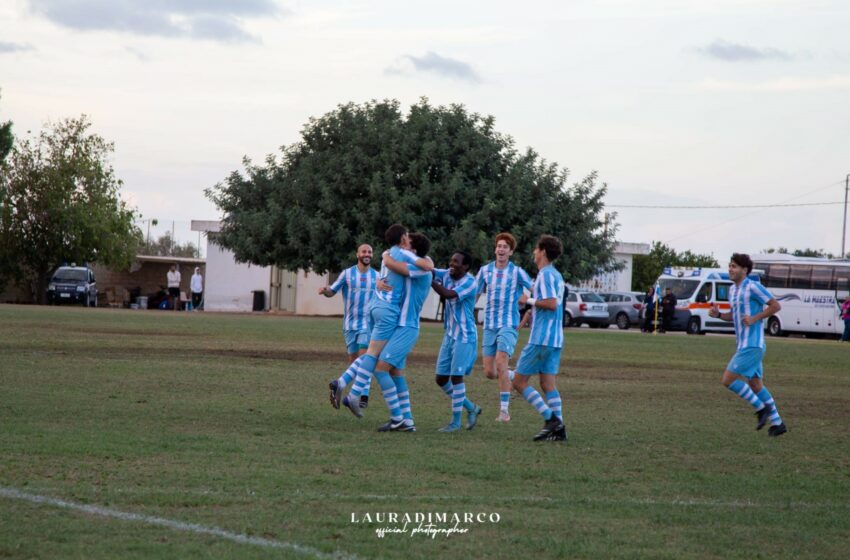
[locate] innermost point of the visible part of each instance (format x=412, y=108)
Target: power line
x=658, y=207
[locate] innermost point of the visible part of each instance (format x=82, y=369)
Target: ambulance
x=696, y=290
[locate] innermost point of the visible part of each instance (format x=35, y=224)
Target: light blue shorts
x=456, y=358
x=539, y=359
x=502, y=340
x=384, y=322
x=747, y=362
x=399, y=346
x=356, y=340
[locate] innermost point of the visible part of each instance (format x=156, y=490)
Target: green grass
x=223, y=420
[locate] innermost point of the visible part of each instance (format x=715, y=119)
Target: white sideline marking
x=170, y=523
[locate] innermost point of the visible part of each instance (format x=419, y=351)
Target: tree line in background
x=647, y=268
x=440, y=170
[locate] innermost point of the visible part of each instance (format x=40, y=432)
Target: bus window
x=723, y=292
x=704, y=294
x=776, y=275
x=800, y=277
x=822, y=278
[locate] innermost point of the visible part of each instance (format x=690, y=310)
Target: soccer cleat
x=352, y=406
x=472, y=417
x=393, y=426
x=364, y=401
x=405, y=427
x=558, y=435
x=336, y=392
x=777, y=430
x=450, y=428
x=763, y=415
x=551, y=426
x=503, y=417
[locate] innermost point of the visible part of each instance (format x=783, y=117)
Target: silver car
x=623, y=307
x=583, y=307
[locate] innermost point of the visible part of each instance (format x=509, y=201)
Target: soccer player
x=384, y=314
x=460, y=341
x=751, y=304
x=504, y=282
x=542, y=355
x=394, y=356
x=357, y=284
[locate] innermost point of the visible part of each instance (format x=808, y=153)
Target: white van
x=697, y=289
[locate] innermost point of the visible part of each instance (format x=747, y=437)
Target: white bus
x=810, y=290
x=697, y=290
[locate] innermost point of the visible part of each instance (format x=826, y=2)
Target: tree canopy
x=439, y=170
x=60, y=202
x=647, y=268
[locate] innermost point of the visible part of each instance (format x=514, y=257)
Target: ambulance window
x=704, y=294
x=723, y=292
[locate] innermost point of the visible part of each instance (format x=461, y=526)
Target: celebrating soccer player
x=460, y=342
x=751, y=304
x=504, y=282
x=542, y=354
x=358, y=285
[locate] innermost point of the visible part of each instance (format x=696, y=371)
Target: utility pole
x=844, y=226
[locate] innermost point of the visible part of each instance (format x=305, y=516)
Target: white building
x=618, y=280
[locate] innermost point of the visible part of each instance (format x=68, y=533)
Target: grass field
x=223, y=421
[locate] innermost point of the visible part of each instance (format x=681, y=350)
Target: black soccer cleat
x=551, y=426
x=335, y=393
x=763, y=415
x=777, y=430
x=392, y=426
x=558, y=435
x=364, y=401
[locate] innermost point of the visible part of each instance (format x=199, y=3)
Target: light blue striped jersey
x=417, y=288
x=394, y=279
x=547, y=328
x=504, y=286
x=358, y=289
x=748, y=299
x=460, y=311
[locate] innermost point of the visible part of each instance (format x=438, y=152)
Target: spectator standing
x=668, y=309
x=173, y=277
x=845, y=314
x=197, y=287
x=648, y=309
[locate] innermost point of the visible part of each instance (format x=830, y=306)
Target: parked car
x=72, y=284
x=583, y=307
x=623, y=307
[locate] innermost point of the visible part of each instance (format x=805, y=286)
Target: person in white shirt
x=197, y=287
x=173, y=276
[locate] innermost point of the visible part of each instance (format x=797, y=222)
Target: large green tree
x=60, y=203
x=439, y=170
x=647, y=268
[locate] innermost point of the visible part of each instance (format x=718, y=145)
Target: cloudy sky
x=673, y=102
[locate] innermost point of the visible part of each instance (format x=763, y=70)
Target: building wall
x=230, y=285
x=616, y=281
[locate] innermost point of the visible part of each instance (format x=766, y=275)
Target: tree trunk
x=41, y=281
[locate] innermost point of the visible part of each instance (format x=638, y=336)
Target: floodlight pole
x=844, y=226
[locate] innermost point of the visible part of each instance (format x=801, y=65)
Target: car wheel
x=568, y=320
x=774, y=328
x=623, y=322
x=694, y=326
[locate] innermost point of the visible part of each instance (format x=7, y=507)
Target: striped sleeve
x=466, y=288
x=440, y=275
x=403, y=255
x=340, y=281
x=523, y=279
x=481, y=279
x=414, y=271
x=760, y=293
x=548, y=286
